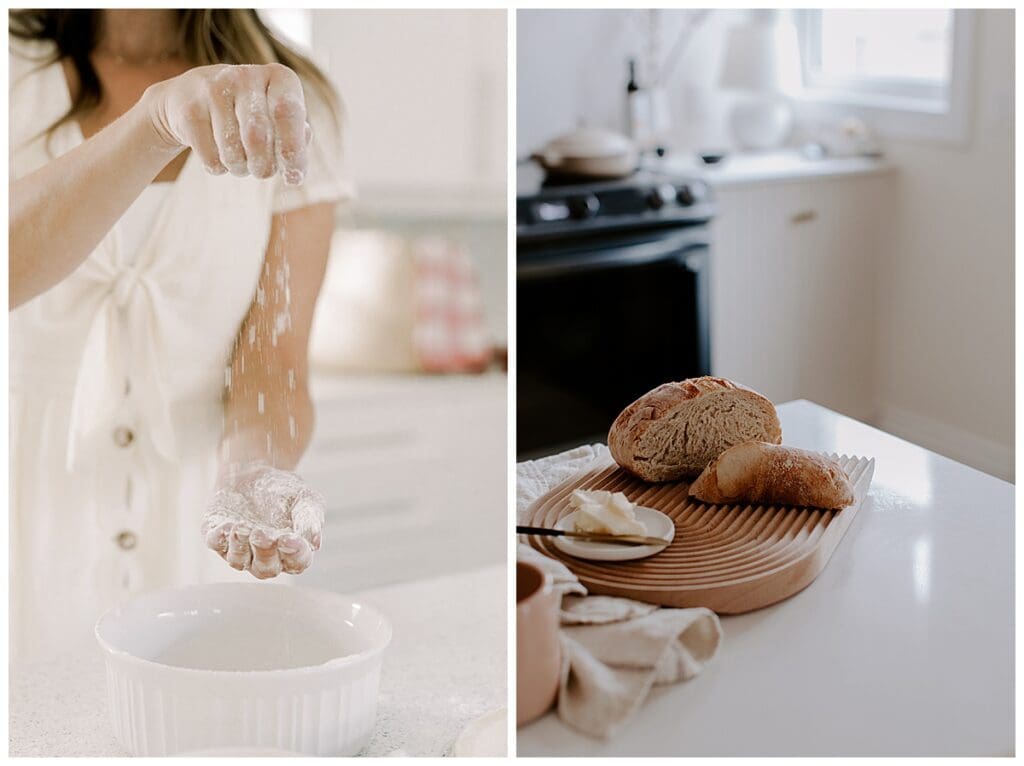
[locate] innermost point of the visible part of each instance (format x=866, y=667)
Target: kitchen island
x=904, y=645
x=446, y=667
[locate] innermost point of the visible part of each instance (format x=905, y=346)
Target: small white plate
x=655, y=522
x=486, y=737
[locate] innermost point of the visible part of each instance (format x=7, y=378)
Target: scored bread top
x=646, y=412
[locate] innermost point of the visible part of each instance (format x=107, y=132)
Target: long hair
x=206, y=36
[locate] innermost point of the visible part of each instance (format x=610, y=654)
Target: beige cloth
x=614, y=649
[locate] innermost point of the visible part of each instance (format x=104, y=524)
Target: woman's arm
x=263, y=518
x=268, y=414
x=246, y=119
x=61, y=212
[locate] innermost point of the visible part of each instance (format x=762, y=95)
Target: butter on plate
x=605, y=513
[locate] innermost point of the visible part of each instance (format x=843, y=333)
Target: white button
x=127, y=540
x=123, y=436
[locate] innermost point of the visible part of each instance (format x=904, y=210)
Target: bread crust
x=756, y=472
x=633, y=422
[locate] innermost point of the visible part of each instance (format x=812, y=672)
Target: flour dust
x=260, y=392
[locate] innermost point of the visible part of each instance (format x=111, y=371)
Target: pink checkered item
x=449, y=334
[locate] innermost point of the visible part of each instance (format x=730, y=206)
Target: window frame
x=898, y=108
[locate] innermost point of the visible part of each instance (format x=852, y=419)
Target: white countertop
x=746, y=168
x=445, y=668
x=902, y=646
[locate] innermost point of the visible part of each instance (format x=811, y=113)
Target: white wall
x=571, y=68
x=944, y=351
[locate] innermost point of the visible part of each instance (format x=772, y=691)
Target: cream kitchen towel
x=614, y=650
x=609, y=669
x=535, y=477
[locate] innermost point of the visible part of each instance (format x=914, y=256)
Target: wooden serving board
x=730, y=559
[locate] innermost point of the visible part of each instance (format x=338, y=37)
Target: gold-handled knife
x=593, y=536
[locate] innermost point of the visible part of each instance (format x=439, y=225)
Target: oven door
x=600, y=324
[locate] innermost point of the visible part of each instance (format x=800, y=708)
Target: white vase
x=761, y=123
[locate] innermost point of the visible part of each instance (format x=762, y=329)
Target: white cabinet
x=426, y=102
x=413, y=469
x=793, y=276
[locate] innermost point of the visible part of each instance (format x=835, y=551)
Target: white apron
x=116, y=378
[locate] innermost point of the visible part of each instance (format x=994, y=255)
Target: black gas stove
x=612, y=299
x=547, y=210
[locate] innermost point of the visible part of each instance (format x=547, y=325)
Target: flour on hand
x=264, y=520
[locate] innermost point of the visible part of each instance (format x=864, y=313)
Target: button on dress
x=117, y=375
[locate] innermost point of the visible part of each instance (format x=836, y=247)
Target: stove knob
x=660, y=196
x=690, y=194
x=583, y=207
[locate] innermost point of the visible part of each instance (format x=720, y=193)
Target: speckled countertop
x=445, y=668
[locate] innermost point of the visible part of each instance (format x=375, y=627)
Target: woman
x=169, y=227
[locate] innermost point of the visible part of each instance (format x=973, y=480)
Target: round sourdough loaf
x=675, y=430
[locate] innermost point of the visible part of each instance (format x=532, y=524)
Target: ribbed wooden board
x=730, y=559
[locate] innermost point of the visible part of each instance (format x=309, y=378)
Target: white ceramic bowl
x=243, y=665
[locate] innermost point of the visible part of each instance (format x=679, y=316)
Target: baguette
x=756, y=472
x=675, y=430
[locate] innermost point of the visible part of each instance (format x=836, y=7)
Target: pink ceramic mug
x=538, y=655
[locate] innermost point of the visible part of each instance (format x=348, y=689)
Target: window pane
x=905, y=45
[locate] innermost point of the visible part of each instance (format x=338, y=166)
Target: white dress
x=117, y=373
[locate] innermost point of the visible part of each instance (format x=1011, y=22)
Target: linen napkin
x=535, y=477
x=614, y=650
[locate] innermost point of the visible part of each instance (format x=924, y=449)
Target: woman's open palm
x=264, y=520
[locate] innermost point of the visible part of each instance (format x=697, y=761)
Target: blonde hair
x=206, y=36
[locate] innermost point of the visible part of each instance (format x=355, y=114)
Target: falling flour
x=261, y=392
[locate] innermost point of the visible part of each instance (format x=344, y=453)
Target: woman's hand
x=249, y=120
x=264, y=520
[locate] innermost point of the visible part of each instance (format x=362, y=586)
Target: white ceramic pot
x=590, y=153
x=243, y=665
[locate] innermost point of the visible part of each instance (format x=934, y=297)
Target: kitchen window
x=904, y=71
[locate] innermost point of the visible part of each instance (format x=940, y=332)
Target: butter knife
x=593, y=536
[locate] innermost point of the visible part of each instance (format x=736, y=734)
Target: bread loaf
x=675, y=430
x=756, y=472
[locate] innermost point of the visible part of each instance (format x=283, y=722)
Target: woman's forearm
x=268, y=413
x=61, y=212
x=247, y=119
x=268, y=425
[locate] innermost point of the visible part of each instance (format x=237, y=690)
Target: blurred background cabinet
x=425, y=96
x=413, y=469
x=420, y=163
x=794, y=280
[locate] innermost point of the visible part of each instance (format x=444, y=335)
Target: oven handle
x=672, y=249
